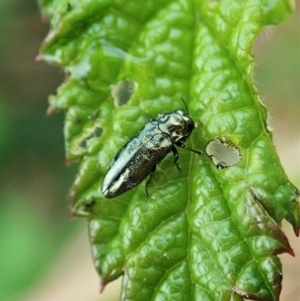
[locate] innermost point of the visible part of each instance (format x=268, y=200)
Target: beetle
x=139, y=156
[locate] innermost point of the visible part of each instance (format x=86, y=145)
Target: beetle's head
x=178, y=125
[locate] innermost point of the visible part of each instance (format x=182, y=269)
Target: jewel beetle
x=139, y=156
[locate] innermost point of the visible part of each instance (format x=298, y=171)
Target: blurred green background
x=44, y=256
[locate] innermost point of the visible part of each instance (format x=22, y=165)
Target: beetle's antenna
x=186, y=107
x=204, y=154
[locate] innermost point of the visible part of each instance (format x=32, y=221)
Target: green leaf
x=204, y=234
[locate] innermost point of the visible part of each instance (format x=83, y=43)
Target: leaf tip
x=49, y=112
x=296, y=231
x=38, y=58
x=72, y=216
x=291, y=252
x=67, y=162
x=102, y=286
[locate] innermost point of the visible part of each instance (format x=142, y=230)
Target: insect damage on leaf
x=122, y=91
x=223, y=153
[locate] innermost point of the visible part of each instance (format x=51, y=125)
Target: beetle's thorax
x=178, y=125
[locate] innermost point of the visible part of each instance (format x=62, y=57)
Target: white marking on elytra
x=117, y=184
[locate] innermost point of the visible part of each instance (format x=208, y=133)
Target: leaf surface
x=205, y=233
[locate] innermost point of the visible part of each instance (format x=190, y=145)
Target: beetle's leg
x=149, y=179
x=175, y=153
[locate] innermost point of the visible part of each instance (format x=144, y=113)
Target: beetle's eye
x=173, y=128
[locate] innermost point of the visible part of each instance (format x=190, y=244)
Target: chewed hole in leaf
x=223, y=153
x=122, y=91
x=94, y=132
x=98, y=131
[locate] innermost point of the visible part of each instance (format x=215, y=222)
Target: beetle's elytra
x=140, y=155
